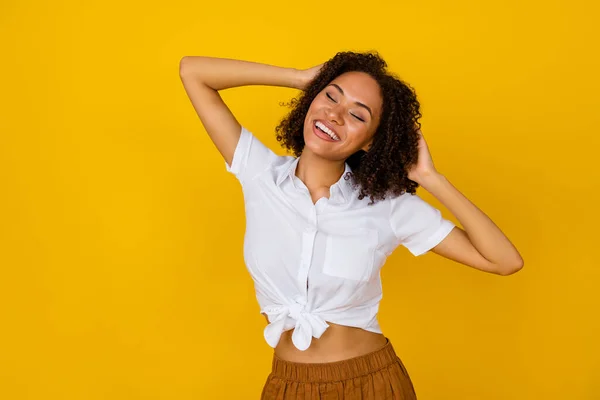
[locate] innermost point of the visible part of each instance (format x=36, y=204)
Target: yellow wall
x=121, y=232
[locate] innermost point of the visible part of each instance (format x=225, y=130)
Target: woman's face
x=344, y=116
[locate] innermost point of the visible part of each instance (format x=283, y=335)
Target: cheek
x=359, y=131
x=310, y=111
x=316, y=104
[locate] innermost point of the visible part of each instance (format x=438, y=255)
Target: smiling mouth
x=321, y=127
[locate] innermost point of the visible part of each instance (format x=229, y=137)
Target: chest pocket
x=351, y=255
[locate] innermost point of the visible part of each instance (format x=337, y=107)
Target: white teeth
x=328, y=131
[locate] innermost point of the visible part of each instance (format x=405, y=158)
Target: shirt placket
x=309, y=234
x=308, y=243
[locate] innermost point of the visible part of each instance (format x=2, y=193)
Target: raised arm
x=481, y=245
x=203, y=77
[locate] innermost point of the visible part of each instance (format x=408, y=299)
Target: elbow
x=190, y=65
x=511, y=268
x=182, y=65
x=192, y=68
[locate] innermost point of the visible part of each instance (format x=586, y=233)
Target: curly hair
x=383, y=169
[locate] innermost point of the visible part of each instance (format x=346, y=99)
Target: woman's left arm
x=481, y=244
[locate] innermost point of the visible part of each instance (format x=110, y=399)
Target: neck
x=317, y=172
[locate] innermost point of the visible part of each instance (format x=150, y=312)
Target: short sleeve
x=417, y=225
x=250, y=157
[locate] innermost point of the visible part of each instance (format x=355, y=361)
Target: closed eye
x=357, y=117
x=330, y=98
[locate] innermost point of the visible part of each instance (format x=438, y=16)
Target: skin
x=480, y=245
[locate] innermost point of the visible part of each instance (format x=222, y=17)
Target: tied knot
x=293, y=315
x=296, y=309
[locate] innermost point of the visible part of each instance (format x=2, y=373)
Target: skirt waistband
x=335, y=371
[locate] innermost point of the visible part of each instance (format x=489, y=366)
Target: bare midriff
x=337, y=343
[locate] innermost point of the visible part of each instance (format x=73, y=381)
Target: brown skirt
x=377, y=375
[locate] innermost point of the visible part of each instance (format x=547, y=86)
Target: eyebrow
x=357, y=103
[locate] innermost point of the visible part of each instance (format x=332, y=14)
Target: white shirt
x=313, y=263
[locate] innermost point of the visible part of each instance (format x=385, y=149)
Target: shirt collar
x=345, y=186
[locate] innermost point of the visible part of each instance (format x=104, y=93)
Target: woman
x=320, y=224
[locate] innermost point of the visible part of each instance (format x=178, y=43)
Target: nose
x=334, y=114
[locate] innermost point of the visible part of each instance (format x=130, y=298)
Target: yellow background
x=121, y=232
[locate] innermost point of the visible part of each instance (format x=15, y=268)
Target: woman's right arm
x=203, y=77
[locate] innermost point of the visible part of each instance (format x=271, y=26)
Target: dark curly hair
x=383, y=170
